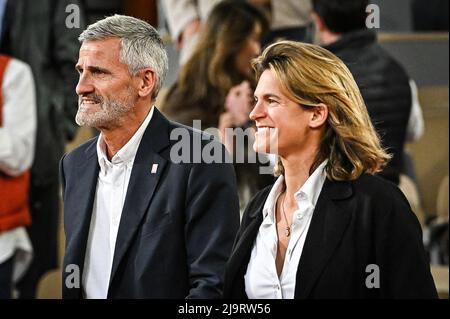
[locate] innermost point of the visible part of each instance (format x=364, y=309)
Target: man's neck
x=115, y=140
x=118, y=137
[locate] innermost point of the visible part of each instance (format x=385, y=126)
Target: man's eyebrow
x=93, y=68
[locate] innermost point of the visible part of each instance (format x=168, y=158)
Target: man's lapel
x=328, y=224
x=147, y=170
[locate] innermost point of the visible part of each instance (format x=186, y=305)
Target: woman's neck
x=297, y=169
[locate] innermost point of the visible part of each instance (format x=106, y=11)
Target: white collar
x=128, y=152
x=310, y=191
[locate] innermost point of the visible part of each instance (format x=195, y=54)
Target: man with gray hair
x=138, y=224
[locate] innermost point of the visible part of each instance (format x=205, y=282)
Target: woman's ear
x=147, y=82
x=319, y=116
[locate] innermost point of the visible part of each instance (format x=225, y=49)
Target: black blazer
x=355, y=224
x=177, y=226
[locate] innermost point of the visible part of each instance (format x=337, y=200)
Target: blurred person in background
x=219, y=73
x=184, y=19
x=138, y=222
x=389, y=94
x=328, y=228
x=17, y=138
x=36, y=33
x=230, y=39
x=289, y=19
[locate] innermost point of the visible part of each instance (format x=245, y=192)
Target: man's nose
x=84, y=85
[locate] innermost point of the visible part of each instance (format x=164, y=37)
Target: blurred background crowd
x=400, y=66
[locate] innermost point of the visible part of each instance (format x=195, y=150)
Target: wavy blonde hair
x=310, y=75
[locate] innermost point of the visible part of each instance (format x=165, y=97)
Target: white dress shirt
x=261, y=278
x=17, y=138
x=112, y=186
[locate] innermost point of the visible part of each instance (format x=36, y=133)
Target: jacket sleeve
x=403, y=263
x=212, y=220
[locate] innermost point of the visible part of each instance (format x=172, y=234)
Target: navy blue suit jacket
x=177, y=226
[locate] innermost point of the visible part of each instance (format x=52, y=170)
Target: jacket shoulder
x=79, y=152
x=386, y=198
x=376, y=185
x=190, y=145
x=191, y=131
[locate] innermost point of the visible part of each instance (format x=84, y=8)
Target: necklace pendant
x=287, y=232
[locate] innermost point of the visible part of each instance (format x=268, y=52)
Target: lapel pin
x=154, y=168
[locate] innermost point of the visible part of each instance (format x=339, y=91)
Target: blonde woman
x=327, y=228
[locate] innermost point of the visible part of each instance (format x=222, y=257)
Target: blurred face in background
x=250, y=50
x=105, y=87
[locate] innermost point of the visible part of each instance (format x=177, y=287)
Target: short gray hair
x=141, y=45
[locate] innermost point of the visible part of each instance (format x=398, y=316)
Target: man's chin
x=83, y=121
x=98, y=124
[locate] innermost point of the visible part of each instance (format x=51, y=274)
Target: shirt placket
x=298, y=227
x=116, y=198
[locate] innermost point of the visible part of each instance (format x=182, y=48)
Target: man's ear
x=147, y=82
x=319, y=116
